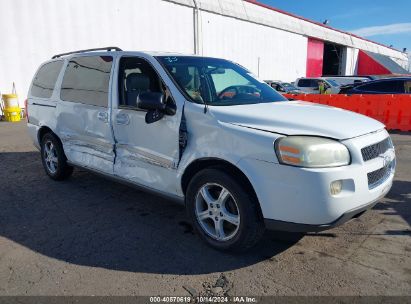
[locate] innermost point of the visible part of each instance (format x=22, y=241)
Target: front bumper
x=296, y=227
x=299, y=199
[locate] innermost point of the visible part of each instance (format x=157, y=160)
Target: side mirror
x=156, y=106
x=154, y=103
x=151, y=101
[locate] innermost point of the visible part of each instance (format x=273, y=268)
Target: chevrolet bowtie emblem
x=387, y=159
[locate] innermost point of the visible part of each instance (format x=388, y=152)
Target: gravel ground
x=91, y=236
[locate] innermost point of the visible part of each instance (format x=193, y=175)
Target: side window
x=315, y=83
x=86, y=80
x=391, y=87
x=399, y=86
x=382, y=87
x=45, y=79
x=136, y=76
x=407, y=87
x=367, y=87
x=305, y=83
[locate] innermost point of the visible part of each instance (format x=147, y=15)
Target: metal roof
x=256, y=12
x=388, y=63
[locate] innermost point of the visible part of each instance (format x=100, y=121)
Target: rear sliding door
x=83, y=112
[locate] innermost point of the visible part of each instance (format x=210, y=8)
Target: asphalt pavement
x=92, y=236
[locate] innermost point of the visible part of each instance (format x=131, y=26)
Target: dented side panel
x=87, y=140
x=147, y=154
x=85, y=129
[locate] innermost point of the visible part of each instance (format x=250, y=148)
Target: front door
x=146, y=154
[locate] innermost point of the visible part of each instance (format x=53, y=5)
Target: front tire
x=222, y=212
x=53, y=158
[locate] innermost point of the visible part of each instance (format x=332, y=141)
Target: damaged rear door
x=83, y=112
x=146, y=154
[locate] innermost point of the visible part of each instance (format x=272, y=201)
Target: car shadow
x=91, y=221
x=398, y=202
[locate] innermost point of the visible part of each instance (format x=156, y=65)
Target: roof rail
x=108, y=49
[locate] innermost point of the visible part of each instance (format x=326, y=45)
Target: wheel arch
x=44, y=130
x=217, y=163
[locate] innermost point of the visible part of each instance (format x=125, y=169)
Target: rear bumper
x=33, y=130
x=277, y=225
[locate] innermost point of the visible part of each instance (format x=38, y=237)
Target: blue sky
x=384, y=21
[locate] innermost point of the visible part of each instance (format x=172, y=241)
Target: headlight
x=313, y=152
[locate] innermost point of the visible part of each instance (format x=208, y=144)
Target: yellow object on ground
x=10, y=107
x=12, y=114
x=10, y=101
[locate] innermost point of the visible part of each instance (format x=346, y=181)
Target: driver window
x=136, y=76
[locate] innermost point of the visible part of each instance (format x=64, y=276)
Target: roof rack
x=108, y=49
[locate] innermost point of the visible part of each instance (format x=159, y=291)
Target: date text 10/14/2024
x=204, y=299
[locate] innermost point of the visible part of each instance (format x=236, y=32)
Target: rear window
x=86, y=80
x=45, y=79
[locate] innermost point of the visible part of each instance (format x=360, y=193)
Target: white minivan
x=207, y=133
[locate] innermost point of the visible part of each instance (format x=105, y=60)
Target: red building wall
x=368, y=66
x=315, y=54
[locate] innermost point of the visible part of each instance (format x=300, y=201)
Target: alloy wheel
x=50, y=156
x=217, y=212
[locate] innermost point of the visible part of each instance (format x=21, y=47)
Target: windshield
x=217, y=82
x=332, y=82
x=348, y=80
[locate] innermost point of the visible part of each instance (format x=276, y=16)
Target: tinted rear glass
x=393, y=86
x=45, y=79
x=86, y=80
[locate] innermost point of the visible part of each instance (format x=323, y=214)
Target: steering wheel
x=237, y=88
x=234, y=87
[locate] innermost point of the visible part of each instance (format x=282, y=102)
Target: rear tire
x=53, y=158
x=222, y=212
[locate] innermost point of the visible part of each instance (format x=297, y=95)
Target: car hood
x=298, y=118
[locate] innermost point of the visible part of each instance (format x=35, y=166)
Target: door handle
x=122, y=119
x=103, y=116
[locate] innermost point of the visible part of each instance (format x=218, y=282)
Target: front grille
x=374, y=150
x=379, y=176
